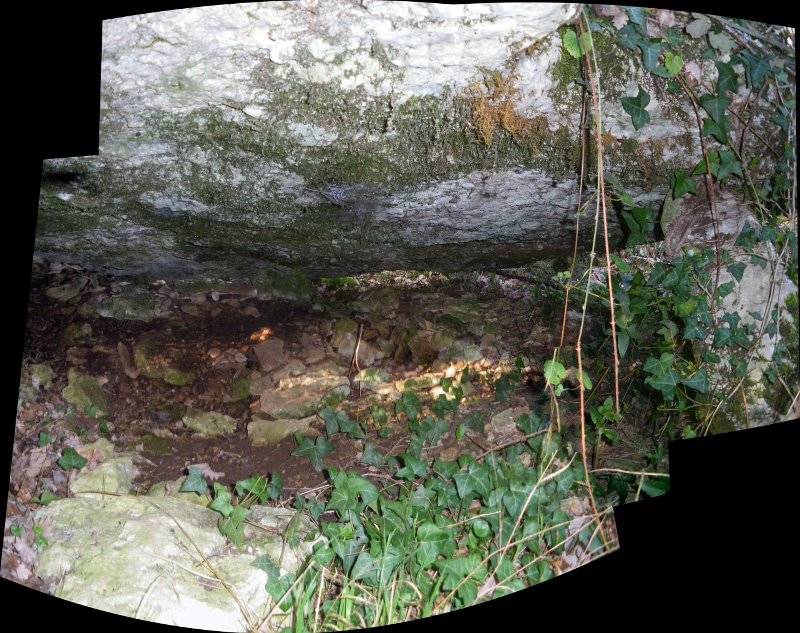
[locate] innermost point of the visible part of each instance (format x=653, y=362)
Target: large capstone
x=274, y=141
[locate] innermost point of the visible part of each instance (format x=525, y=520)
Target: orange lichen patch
x=494, y=105
x=261, y=335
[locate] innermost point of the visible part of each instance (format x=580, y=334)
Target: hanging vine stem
x=593, y=72
x=600, y=202
x=577, y=219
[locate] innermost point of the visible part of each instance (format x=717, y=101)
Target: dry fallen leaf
x=693, y=70
x=487, y=587
x=125, y=360
x=666, y=18
x=207, y=471
x=617, y=14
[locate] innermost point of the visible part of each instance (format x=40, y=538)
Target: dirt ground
x=407, y=320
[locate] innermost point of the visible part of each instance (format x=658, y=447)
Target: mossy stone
x=85, y=394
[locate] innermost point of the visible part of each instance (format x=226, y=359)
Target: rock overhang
x=331, y=138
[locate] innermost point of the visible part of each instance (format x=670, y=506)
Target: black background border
x=717, y=547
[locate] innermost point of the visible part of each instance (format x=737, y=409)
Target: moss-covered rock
x=118, y=563
x=153, y=364
x=76, y=333
x=209, y=423
x=41, y=375
x=85, y=394
x=266, y=432
x=301, y=396
x=132, y=303
x=318, y=158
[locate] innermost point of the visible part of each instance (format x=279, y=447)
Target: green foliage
x=70, y=459
x=508, y=383
x=408, y=404
x=39, y=539
x=570, y=41
x=45, y=497
x=315, y=450
x=340, y=422
x=635, y=107
x=195, y=482
x=436, y=528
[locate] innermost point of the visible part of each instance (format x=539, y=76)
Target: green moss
x=177, y=377
x=240, y=389
x=156, y=445
x=149, y=361
x=339, y=283
x=289, y=284
x=76, y=334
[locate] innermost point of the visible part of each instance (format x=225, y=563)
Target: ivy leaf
x=719, y=130
x=630, y=37
x=722, y=337
x=413, y=467
x=725, y=289
x=682, y=184
x=195, y=482
x=651, y=51
x=737, y=270
x=371, y=455
x=433, y=541
x=474, y=479
x=570, y=41
x=638, y=16
x=46, y=496
x=713, y=162
x=365, y=568
x=315, y=451
x=72, y=459
x=409, y=404
x=673, y=63
x=715, y=105
x=351, y=493
x=222, y=500
x=45, y=438
x=728, y=165
x=233, y=526
x=727, y=79
x=665, y=383
x=757, y=68
x=635, y=107
x=697, y=381
x=662, y=377
x=554, y=372
x=256, y=486
x=351, y=428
